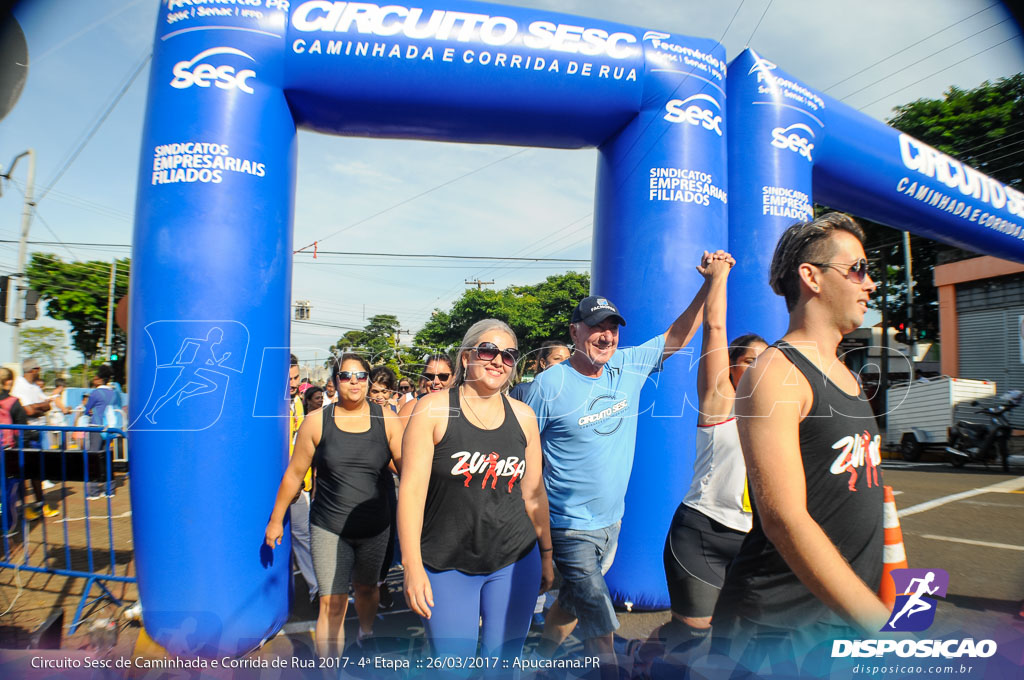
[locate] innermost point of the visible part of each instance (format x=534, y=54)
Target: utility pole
x=110, y=304
x=883, y=378
x=911, y=337
x=479, y=284
x=398, y=335
x=17, y=287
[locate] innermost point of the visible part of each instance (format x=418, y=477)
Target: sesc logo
x=790, y=138
x=195, y=72
x=694, y=114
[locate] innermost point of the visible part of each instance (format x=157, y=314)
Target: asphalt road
x=968, y=521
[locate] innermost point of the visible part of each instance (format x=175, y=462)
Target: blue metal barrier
x=20, y=463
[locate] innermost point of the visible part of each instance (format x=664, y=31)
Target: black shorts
x=697, y=552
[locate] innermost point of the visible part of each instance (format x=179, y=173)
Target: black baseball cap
x=595, y=309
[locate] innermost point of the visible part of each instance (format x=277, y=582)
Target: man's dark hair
x=60, y=382
x=294, y=361
x=384, y=376
x=806, y=242
x=105, y=373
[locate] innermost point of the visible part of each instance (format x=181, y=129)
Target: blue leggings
x=504, y=599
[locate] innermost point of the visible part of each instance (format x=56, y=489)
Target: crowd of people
x=26, y=400
x=504, y=489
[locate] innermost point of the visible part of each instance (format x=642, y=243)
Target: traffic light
x=901, y=334
x=113, y=357
x=31, y=300
x=5, y=282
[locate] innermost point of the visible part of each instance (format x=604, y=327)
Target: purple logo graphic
x=914, y=610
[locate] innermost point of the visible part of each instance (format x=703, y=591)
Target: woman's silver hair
x=472, y=339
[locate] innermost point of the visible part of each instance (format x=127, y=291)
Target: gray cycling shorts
x=338, y=561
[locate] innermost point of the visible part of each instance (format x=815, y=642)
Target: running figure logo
x=914, y=611
x=195, y=360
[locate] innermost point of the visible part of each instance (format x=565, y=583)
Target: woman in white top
x=713, y=518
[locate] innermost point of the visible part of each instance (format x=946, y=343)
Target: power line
x=87, y=244
x=413, y=198
x=96, y=126
x=763, y=14
x=915, y=63
x=450, y=257
x=729, y=25
x=379, y=265
x=880, y=61
x=326, y=325
x=1012, y=37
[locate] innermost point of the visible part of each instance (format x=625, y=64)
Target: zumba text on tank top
x=840, y=450
x=474, y=519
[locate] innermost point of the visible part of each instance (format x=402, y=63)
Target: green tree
x=536, y=313
x=76, y=292
x=45, y=344
x=377, y=341
x=382, y=335
x=982, y=127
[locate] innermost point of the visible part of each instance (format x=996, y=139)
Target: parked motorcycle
x=982, y=442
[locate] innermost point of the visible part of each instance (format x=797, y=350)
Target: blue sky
x=411, y=197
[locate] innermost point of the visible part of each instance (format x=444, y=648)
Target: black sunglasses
x=488, y=350
x=856, y=272
x=345, y=376
x=431, y=377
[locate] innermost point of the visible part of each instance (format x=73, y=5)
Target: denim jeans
x=583, y=557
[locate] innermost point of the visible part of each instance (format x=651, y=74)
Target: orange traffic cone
x=894, y=555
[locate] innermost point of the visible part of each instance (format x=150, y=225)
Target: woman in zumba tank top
x=714, y=516
x=349, y=445
x=472, y=510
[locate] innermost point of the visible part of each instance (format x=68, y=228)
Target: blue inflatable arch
x=230, y=84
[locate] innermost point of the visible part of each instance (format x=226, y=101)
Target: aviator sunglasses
x=431, y=377
x=488, y=350
x=856, y=272
x=345, y=376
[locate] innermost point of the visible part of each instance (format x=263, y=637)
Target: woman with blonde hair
x=472, y=510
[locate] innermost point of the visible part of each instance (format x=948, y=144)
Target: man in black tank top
x=810, y=567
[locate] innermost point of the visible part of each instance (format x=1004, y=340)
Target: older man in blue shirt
x=587, y=410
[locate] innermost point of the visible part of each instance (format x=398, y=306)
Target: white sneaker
x=133, y=613
x=47, y=484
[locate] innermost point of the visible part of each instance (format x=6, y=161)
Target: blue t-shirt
x=521, y=390
x=588, y=434
x=99, y=400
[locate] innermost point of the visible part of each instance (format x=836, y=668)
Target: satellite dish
x=13, y=63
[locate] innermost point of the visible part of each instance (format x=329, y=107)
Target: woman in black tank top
x=349, y=445
x=472, y=507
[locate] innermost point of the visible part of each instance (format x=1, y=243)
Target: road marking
x=1007, y=486
x=984, y=544
x=986, y=504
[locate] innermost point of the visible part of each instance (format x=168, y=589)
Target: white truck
x=920, y=413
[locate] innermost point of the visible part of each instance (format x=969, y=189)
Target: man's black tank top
x=475, y=520
x=351, y=470
x=839, y=446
